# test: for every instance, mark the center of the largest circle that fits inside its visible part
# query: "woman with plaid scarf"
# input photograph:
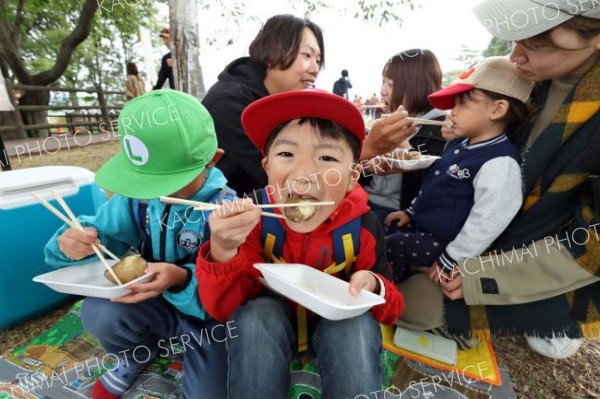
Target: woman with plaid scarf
(543, 274)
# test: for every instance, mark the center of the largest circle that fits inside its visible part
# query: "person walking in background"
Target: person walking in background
(287, 54)
(134, 86)
(341, 86)
(166, 64)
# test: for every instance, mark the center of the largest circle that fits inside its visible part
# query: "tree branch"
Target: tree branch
(16, 32)
(78, 35)
(9, 52)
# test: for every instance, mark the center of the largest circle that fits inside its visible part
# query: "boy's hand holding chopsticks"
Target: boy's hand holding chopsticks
(230, 224)
(71, 220)
(76, 244)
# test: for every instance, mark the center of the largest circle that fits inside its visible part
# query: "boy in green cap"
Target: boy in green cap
(168, 148)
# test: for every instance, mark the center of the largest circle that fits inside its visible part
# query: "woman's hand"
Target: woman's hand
(387, 134)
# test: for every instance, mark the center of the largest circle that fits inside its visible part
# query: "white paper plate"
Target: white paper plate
(87, 280)
(319, 292)
(410, 164)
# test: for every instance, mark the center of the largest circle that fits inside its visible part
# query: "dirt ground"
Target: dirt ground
(533, 376)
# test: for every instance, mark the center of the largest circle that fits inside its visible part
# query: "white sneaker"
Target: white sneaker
(554, 348)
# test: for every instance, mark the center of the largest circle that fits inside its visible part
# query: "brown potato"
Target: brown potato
(127, 269)
(411, 155)
(300, 213)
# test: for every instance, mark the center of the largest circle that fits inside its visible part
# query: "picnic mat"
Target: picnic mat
(64, 361)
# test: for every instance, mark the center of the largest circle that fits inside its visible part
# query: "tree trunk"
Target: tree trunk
(10, 52)
(185, 40)
(35, 117)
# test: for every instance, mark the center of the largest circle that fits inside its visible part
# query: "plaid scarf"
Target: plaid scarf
(559, 202)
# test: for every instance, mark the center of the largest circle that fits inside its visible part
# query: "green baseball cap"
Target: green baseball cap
(167, 138)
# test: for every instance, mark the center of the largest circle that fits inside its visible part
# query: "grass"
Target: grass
(533, 376)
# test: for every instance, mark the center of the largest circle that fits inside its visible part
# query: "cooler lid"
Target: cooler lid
(16, 185)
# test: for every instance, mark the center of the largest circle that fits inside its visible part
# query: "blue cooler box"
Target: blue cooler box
(25, 228)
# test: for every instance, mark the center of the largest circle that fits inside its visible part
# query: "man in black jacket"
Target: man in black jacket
(166, 64)
(287, 54)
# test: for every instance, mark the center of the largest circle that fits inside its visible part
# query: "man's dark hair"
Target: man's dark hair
(345, 73)
(278, 42)
(326, 129)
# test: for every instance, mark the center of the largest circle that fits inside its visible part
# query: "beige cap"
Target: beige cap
(521, 19)
(496, 74)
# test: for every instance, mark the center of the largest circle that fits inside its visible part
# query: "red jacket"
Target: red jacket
(226, 286)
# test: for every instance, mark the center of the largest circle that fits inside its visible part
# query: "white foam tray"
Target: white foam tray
(319, 292)
(411, 164)
(87, 280)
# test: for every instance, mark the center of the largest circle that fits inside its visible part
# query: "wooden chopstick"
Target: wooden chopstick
(62, 217)
(78, 225)
(420, 121)
(267, 214)
(322, 203)
(171, 200)
(203, 206)
(375, 106)
(74, 223)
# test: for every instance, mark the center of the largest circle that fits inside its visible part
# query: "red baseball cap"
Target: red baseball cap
(444, 98)
(262, 116)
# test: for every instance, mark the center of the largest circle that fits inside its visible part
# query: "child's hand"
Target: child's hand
(167, 275)
(436, 274)
(75, 244)
(402, 217)
(229, 227)
(364, 280)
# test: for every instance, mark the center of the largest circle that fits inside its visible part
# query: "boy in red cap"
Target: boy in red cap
(473, 192)
(311, 141)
